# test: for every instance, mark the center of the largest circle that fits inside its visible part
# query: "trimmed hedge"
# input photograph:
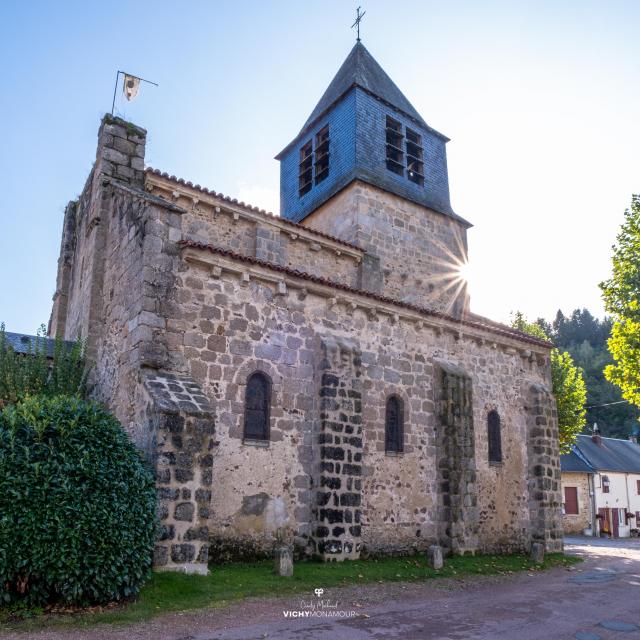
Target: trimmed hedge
(77, 505)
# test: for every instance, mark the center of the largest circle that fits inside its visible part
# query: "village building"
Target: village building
(601, 486)
(26, 344)
(578, 506)
(315, 376)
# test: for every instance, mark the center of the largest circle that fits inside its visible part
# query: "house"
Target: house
(577, 494)
(28, 345)
(601, 478)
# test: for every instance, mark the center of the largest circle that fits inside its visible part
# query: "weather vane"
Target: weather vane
(359, 17)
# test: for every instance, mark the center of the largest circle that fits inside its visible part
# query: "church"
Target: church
(315, 377)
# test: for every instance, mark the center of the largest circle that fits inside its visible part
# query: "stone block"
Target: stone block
(434, 557)
(537, 552)
(160, 556)
(117, 157)
(184, 511)
(283, 561)
(182, 552)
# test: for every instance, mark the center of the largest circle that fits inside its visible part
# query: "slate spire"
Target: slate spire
(360, 69)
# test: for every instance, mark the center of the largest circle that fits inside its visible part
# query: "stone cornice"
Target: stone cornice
(283, 278)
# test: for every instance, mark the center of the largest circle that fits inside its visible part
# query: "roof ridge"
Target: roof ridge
(586, 435)
(249, 207)
(511, 333)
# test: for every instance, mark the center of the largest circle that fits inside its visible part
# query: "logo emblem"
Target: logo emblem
(319, 592)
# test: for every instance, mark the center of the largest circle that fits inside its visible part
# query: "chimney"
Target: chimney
(121, 147)
(596, 435)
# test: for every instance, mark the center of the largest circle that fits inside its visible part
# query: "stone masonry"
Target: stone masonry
(339, 497)
(456, 461)
(184, 426)
(544, 469)
(183, 293)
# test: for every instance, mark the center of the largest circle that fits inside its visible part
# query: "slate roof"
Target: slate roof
(573, 463)
(612, 454)
(360, 69)
(24, 343)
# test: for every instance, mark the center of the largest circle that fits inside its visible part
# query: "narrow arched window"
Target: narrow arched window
(257, 407)
(494, 437)
(394, 425)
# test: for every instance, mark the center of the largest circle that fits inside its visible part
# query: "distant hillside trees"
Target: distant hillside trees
(585, 338)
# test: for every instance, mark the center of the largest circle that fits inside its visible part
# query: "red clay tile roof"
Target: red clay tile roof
(248, 207)
(479, 323)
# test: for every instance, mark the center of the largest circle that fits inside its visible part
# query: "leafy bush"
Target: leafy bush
(23, 375)
(77, 505)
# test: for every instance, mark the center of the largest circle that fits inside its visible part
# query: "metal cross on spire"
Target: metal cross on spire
(359, 17)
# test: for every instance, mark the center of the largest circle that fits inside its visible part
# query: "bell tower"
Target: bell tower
(367, 168)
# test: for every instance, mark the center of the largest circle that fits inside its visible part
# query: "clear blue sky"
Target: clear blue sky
(541, 101)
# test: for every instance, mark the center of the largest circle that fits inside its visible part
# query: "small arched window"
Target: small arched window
(394, 425)
(257, 407)
(494, 437)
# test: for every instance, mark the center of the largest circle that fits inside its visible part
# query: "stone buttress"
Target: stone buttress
(339, 496)
(544, 468)
(456, 461)
(182, 419)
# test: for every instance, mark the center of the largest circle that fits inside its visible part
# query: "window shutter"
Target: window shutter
(394, 431)
(257, 405)
(494, 437)
(571, 500)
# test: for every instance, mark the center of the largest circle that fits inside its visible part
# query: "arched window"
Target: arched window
(494, 437)
(257, 407)
(394, 425)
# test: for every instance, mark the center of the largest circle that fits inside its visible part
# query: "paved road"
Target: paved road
(598, 600)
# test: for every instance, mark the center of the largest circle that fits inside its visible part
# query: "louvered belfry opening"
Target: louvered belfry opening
(415, 165)
(305, 175)
(321, 164)
(395, 153)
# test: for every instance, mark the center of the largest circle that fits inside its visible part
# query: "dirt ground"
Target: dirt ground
(596, 600)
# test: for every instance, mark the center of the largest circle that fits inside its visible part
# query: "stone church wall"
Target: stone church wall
(419, 250)
(247, 320)
(159, 312)
(212, 220)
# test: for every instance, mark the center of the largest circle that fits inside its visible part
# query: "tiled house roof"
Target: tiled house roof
(573, 463)
(610, 454)
(24, 343)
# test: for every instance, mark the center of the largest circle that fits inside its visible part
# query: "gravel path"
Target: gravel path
(597, 600)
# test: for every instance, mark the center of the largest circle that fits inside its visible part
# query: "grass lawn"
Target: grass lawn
(167, 592)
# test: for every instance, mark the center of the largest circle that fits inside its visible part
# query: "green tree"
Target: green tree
(621, 294)
(568, 385)
(33, 374)
(77, 505)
